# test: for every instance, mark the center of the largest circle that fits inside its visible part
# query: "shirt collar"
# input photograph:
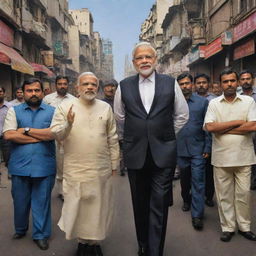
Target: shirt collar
(151, 78)
(222, 98)
(26, 106)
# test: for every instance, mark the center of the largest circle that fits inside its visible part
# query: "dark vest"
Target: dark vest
(155, 129)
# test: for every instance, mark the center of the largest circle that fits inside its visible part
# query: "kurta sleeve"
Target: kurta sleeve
(113, 140)
(60, 126)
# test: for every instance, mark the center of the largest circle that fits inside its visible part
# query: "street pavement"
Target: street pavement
(181, 238)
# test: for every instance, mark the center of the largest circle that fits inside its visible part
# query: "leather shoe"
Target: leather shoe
(18, 236)
(185, 207)
(226, 236)
(142, 251)
(42, 243)
(248, 235)
(197, 223)
(209, 202)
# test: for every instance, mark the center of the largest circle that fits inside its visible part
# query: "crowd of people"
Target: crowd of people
(159, 123)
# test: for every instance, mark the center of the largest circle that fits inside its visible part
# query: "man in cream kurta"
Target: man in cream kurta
(231, 118)
(91, 156)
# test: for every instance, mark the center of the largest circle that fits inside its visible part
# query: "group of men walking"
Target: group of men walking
(162, 123)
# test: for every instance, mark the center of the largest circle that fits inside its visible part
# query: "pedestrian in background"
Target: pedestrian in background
(55, 99)
(194, 147)
(152, 110)
(32, 162)
(91, 156)
(231, 118)
(19, 97)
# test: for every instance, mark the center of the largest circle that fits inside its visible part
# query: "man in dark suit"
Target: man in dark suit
(152, 109)
(194, 146)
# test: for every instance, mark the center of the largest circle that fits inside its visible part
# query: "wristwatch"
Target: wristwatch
(26, 130)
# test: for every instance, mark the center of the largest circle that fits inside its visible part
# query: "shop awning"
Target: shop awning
(11, 57)
(42, 68)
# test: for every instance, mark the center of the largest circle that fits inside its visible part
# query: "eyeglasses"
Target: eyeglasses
(147, 57)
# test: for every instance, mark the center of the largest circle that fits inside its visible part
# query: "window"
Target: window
(243, 5)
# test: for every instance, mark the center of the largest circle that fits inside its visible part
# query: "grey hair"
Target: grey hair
(87, 74)
(141, 44)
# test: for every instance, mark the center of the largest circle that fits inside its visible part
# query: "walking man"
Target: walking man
(152, 109)
(194, 146)
(231, 118)
(19, 97)
(246, 81)
(32, 162)
(91, 155)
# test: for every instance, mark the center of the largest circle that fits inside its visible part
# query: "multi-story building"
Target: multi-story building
(151, 29)
(107, 62)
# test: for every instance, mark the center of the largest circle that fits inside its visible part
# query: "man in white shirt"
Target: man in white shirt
(232, 118)
(19, 97)
(151, 109)
(55, 99)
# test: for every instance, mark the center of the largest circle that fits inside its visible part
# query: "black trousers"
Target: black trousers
(209, 182)
(151, 189)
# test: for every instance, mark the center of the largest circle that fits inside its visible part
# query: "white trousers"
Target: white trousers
(232, 188)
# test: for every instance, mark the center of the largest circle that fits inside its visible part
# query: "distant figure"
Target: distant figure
(216, 88)
(55, 99)
(246, 81)
(4, 144)
(32, 162)
(109, 89)
(19, 97)
(231, 118)
(91, 155)
(152, 110)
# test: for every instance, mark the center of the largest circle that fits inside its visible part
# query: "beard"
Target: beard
(34, 101)
(62, 91)
(230, 91)
(88, 96)
(201, 90)
(247, 86)
(186, 91)
(146, 72)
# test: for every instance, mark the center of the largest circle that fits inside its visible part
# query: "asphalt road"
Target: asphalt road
(181, 238)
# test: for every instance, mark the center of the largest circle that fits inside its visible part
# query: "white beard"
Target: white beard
(88, 96)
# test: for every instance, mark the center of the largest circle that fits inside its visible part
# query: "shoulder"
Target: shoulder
(70, 96)
(246, 98)
(102, 103)
(129, 79)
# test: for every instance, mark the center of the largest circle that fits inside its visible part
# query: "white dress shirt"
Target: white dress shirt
(147, 92)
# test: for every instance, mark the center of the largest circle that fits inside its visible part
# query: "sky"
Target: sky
(117, 20)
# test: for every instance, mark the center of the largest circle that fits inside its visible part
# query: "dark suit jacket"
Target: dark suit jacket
(192, 140)
(155, 129)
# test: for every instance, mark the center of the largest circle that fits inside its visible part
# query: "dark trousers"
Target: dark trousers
(5, 150)
(151, 190)
(192, 181)
(34, 193)
(209, 182)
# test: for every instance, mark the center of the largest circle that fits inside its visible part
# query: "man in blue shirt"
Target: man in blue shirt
(32, 162)
(193, 148)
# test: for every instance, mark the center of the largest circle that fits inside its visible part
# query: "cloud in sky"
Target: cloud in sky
(119, 21)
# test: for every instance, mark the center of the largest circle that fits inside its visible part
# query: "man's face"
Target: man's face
(19, 94)
(2, 94)
(216, 89)
(229, 84)
(109, 91)
(144, 61)
(246, 81)
(201, 85)
(88, 87)
(62, 87)
(33, 94)
(186, 86)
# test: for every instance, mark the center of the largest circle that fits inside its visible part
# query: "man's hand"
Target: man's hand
(71, 116)
(114, 172)
(20, 130)
(206, 155)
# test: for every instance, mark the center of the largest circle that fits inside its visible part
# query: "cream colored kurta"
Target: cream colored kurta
(91, 152)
